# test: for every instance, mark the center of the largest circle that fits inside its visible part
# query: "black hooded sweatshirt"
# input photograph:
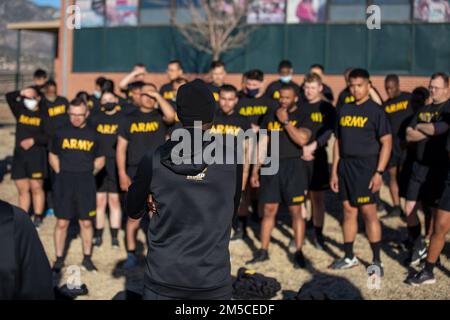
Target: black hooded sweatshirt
(188, 237)
(25, 272)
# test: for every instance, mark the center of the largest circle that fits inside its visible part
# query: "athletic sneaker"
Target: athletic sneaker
(97, 242)
(344, 263)
(419, 252)
(299, 260)
(58, 265)
(259, 256)
(88, 265)
(132, 261)
(115, 243)
(421, 277)
(374, 267)
(37, 221)
(319, 243)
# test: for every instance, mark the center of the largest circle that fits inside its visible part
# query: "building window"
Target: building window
(306, 11)
(267, 11)
(347, 11)
(433, 11)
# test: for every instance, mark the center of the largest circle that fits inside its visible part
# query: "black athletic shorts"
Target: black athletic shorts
(74, 196)
(131, 171)
(444, 202)
(398, 157)
(354, 179)
(321, 172)
(426, 184)
(289, 185)
(107, 179)
(30, 164)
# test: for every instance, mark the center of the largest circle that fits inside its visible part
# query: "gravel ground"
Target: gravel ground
(317, 281)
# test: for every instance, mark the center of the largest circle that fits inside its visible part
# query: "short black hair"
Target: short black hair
(50, 83)
(217, 64)
(105, 92)
(178, 62)
(100, 81)
(78, 101)
(288, 86)
(359, 73)
(255, 74)
(148, 84)
(442, 75)
(135, 85)
(108, 85)
(317, 66)
(284, 64)
(228, 88)
(392, 78)
(39, 74)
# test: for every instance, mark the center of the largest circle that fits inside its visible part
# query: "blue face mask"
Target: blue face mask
(286, 79)
(97, 94)
(252, 93)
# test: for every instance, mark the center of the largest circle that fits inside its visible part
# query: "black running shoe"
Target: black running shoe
(115, 243)
(319, 243)
(239, 234)
(421, 277)
(259, 256)
(97, 242)
(299, 260)
(419, 252)
(58, 265)
(344, 263)
(37, 221)
(88, 265)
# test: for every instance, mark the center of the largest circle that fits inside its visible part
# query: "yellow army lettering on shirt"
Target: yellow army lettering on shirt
(349, 99)
(353, 121)
(107, 128)
(57, 110)
(298, 199)
(225, 129)
(253, 111)
(395, 107)
(317, 117)
(31, 121)
(169, 95)
(77, 144)
(276, 95)
(428, 116)
(363, 199)
(142, 127)
(216, 96)
(276, 126)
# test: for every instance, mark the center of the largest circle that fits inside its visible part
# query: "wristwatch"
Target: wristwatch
(285, 123)
(380, 172)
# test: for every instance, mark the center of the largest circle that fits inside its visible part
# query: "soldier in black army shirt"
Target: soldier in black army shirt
(140, 132)
(285, 71)
(361, 153)
(290, 184)
(76, 156)
(427, 132)
(323, 117)
(106, 123)
(174, 71)
(217, 73)
(254, 104)
(29, 167)
(398, 111)
(228, 122)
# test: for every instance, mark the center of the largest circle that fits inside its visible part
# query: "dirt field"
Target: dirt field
(110, 281)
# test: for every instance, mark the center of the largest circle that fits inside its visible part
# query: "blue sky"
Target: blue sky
(51, 3)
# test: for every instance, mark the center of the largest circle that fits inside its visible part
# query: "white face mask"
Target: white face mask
(30, 104)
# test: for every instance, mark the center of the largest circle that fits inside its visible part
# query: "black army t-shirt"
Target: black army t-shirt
(432, 150)
(359, 129)
(273, 90)
(107, 127)
(322, 116)
(254, 109)
(76, 148)
(398, 111)
(56, 113)
(167, 92)
(144, 132)
(287, 147)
